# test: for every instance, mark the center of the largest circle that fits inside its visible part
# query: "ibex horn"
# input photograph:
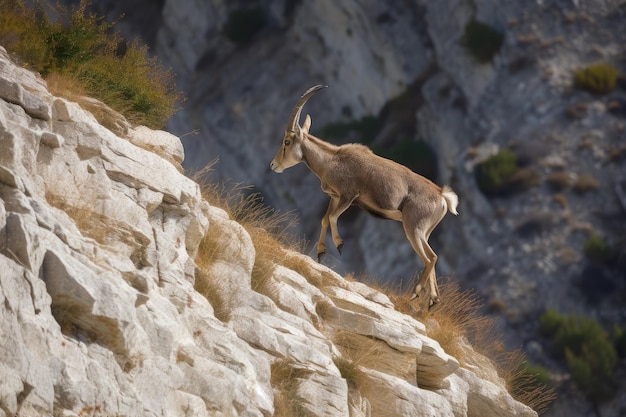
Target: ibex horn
(294, 117)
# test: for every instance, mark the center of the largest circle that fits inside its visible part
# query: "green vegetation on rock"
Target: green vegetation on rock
(79, 54)
(493, 174)
(590, 355)
(482, 41)
(596, 78)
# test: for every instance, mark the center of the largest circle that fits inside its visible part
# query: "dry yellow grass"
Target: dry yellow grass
(90, 223)
(267, 228)
(373, 353)
(216, 295)
(284, 379)
(463, 331)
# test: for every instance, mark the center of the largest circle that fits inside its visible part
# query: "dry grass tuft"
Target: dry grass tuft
(90, 223)
(371, 353)
(350, 371)
(559, 180)
(216, 295)
(73, 90)
(267, 228)
(585, 183)
(458, 316)
(523, 384)
(284, 379)
(463, 331)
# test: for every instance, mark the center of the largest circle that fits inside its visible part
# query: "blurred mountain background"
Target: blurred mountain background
(519, 105)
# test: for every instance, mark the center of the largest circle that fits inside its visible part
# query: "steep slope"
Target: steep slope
(99, 315)
(525, 252)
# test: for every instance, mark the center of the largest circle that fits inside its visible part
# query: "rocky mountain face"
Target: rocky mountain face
(100, 316)
(243, 64)
(404, 63)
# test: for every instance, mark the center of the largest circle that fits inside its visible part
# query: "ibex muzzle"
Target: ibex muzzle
(353, 174)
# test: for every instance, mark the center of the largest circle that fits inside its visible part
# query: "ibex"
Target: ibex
(353, 174)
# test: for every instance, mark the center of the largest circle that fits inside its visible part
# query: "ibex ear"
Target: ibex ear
(306, 125)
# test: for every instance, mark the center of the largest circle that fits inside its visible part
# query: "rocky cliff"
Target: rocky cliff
(100, 316)
(523, 252)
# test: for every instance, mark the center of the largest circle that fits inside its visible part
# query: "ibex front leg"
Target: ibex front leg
(336, 207)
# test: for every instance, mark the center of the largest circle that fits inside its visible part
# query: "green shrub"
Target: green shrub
(365, 129)
(243, 24)
(619, 335)
(82, 49)
(597, 250)
(414, 154)
(481, 40)
(494, 174)
(135, 85)
(550, 322)
(596, 78)
(592, 369)
(590, 356)
(21, 31)
(537, 374)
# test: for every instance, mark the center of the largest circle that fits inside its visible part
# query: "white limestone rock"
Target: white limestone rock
(98, 310)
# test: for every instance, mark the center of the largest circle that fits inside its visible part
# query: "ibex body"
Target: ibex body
(353, 174)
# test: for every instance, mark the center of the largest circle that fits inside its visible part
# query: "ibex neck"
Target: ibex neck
(316, 154)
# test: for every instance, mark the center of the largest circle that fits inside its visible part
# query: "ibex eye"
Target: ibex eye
(287, 142)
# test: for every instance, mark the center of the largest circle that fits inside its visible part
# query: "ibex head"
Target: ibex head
(290, 152)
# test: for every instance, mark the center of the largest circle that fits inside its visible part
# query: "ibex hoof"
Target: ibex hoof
(340, 248)
(320, 255)
(432, 304)
(414, 297)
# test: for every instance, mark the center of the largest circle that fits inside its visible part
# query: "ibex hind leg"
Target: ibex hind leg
(426, 254)
(432, 277)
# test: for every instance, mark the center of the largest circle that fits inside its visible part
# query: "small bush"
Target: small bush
(619, 335)
(596, 78)
(524, 179)
(417, 155)
(590, 356)
(481, 40)
(550, 322)
(597, 250)
(537, 374)
(585, 183)
(559, 180)
(494, 174)
(82, 48)
(363, 130)
(243, 24)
